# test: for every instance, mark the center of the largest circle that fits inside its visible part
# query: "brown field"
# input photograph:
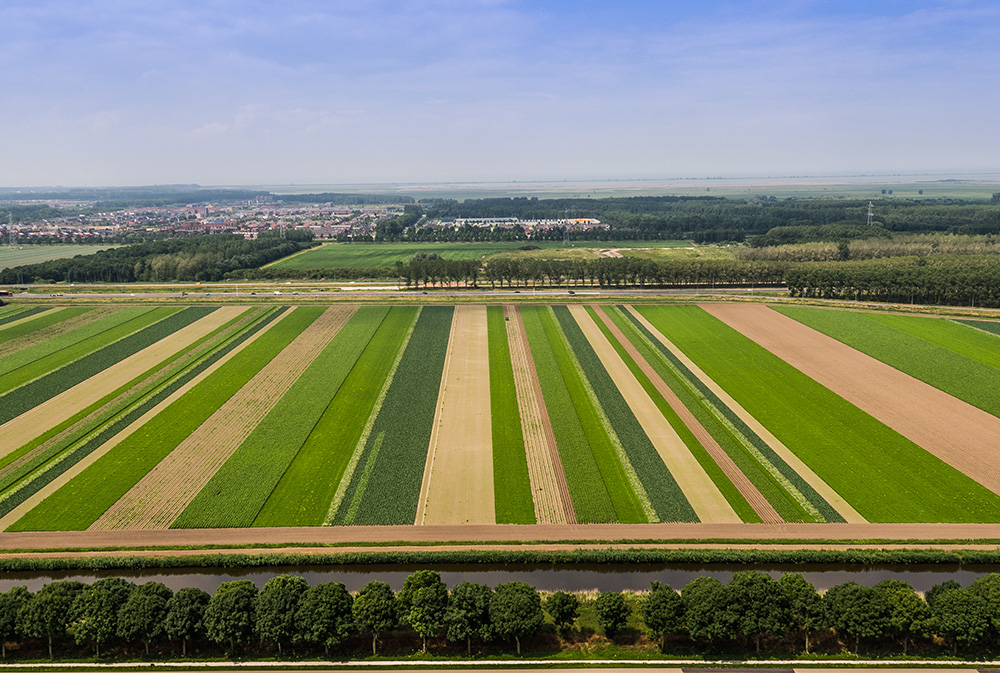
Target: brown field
(550, 492)
(458, 482)
(958, 433)
(159, 497)
(826, 492)
(757, 501)
(705, 498)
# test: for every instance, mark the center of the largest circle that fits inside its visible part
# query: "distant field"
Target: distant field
(380, 255)
(33, 254)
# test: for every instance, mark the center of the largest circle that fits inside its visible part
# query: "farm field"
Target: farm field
(143, 418)
(381, 255)
(33, 254)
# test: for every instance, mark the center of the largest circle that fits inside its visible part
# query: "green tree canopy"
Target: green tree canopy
(468, 613)
(185, 617)
(376, 609)
(564, 608)
(96, 611)
(760, 605)
(276, 608)
(230, 616)
(325, 614)
(143, 614)
(909, 615)
(805, 605)
(856, 611)
(961, 616)
(11, 604)
(612, 612)
(663, 612)
(516, 611)
(707, 610)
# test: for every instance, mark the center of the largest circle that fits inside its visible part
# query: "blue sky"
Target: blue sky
(102, 92)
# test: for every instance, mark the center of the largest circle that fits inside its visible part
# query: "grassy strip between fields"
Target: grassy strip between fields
(792, 498)
(882, 474)
(648, 467)
(51, 346)
(42, 321)
(513, 502)
(715, 473)
(122, 342)
(587, 489)
(237, 492)
(951, 357)
(386, 484)
(81, 501)
(119, 400)
(984, 325)
(11, 314)
(303, 494)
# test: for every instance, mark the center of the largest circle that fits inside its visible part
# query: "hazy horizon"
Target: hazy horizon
(114, 92)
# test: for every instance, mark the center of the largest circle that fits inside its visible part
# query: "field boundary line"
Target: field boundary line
(834, 499)
(435, 427)
(159, 497)
(747, 489)
(58, 328)
(345, 479)
(463, 440)
(697, 487)
(29, 318)
(60, 481)
(547, 490)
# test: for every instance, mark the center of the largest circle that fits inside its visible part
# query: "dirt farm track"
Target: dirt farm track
(469, 537)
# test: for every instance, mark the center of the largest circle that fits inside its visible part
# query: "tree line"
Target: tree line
(190, 258)
(752, 613)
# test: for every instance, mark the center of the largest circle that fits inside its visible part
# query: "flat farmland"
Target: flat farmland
(33, 254)
(144, 418)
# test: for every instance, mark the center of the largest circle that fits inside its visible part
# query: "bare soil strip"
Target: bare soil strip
(159, 497)
(834, 499)
(31, 317)
(539, 442)
(706, 499)
(533, 390)
(118, 401)
(958, 433)
(55, 329)
(94, 456)
(754, 497)
(19, 431)
(526, 536)
(458, 487)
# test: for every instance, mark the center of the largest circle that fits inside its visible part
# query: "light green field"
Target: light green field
(33, 254)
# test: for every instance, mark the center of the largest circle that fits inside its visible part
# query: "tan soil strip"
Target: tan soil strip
(21, 321)
(459, 480)
(539, 442)
(754, 497)
(703, 495)
(55, 329)
(958, 433)
(553, 462)
(134, 391)
(94, 456)
(471, 533)
(160, 496)
(833, 498)
(18, 431)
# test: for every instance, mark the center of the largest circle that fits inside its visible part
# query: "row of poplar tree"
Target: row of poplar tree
(752, 610)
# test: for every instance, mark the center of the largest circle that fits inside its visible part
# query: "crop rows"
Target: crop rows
(41, 322)
(12, 314)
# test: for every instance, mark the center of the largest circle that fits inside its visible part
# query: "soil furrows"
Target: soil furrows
(958, 433)
(548, 481)
(115, 405)
(159, 497)
(703, 495)
(91, 458)
(760, 505)
(458, 486)
(55, 329)
(20, 430)
(834, 499)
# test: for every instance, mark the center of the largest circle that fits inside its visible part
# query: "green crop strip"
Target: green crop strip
(237, 492)
(587, 489)
(303, 494)
(882, 474)
(647, 468)
(960, 361)
(792, 498)
(511, 486)
(152, 327)
(12, 314)
(983, 325)
(28, 479)
(715, 473)
(53, 317)
(81, 501)
(403, 428)
(49, 347)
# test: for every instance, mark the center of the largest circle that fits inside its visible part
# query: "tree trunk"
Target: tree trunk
(468, 645)
(857, 645)
(807, 642)
(326, 649)
(374, 640)
(146, 643)
(50, 646)
(518, 641)
(279, 648)
(424, 641)
(905, 642)
(757, 643)
(98, 646)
